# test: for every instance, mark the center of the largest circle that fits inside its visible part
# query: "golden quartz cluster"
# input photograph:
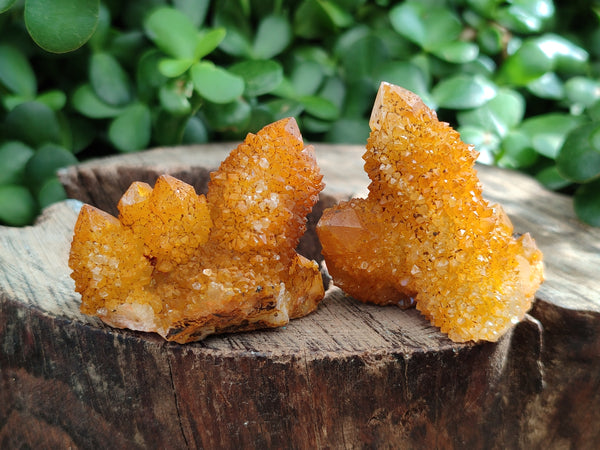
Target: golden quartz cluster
(425, 234)
(185, 266)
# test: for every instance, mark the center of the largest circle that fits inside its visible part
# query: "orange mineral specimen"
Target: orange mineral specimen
(425, 234)
(185, 266)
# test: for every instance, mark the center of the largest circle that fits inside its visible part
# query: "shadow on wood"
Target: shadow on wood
(349, 375)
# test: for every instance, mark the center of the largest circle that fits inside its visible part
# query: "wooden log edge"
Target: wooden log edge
(350, 375)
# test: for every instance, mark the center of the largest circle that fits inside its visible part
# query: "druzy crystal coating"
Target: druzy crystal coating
(425, 234)
(185, 266)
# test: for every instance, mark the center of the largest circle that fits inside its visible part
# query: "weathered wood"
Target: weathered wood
(347, 376)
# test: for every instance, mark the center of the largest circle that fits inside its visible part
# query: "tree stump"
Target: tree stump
(349, 375)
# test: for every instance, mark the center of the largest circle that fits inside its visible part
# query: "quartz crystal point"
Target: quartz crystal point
(425, 234)
(185, 266)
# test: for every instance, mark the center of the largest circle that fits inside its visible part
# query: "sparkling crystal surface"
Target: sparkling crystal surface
(425, 233)
(186, 266)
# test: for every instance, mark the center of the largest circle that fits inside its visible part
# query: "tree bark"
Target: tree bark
(349, 375)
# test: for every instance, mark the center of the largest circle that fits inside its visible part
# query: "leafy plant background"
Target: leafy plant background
(84, 78)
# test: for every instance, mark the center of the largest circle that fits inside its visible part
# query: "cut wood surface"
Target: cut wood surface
(349, 375)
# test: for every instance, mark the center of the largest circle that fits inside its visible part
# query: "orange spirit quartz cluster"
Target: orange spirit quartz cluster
(185, 266)
(425, 233)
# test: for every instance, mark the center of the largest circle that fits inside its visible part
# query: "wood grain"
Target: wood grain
(347, 376)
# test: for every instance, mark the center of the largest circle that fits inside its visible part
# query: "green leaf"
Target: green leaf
(173, 68)
(582, 91)
(549, 131)
(34, 123)
(45, 162)
(525, 16)
(483, 65)
(126, 47)
(348, 131)
(51, 191)
(61, 26)
(565, 55)
(237, 40)
(54, 99)
(17, 205)
(306, 77)
(260, 117)
(490, 39)
(13, 158)
(593, 111)
(173, 32)
(363, 55)
(168, 128)
(208, 42)
(83, 133)
(10, 102)
(517, 152)
(195, 10)
(272, 37)
(425, 26)
(285, 89)
(130, 131)
(148, 76)
(260, 77)
(463, 92)
(457, 52)
(102, 32)
(548, 86)
(313, 125)
(134, 13)
(485, 142)
(551, 179)
(311, 21)
(319, 107)
(16, 73)
(109, 81)
(231, 117)
(359, 99)
(86, 102)
(587, 203)
(284, 107)
(195, 132)
(407, 75)
(579, 156)
(499, 115)
(216, 84)
(334, 90)
(5, 5)
(349, 38)
(175, 98)
(529, 62)
(337, 14)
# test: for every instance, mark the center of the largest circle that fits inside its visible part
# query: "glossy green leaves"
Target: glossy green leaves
(16, 73)
(172, 32)
(185, 46)
(587, 203)
(260, 77)
(273, 35)
(436, 30)
(463, 92)
(519, 79)
(17, 205)
(13, 158)
(130, 130)
(61, 25)
(216, 84)
(108, 79)
(579, 157)
(540, 56)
